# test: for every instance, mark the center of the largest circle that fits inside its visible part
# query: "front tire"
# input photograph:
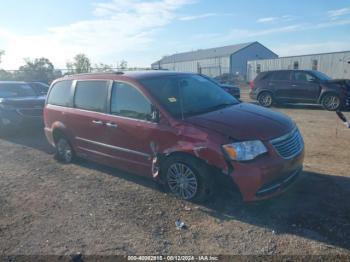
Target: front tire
(265, 99)
(331, 102)
(187, 178)
(64, 150)
(3, 130)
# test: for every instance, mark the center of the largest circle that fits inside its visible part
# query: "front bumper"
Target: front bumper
(266, 176)
(347, 102)
(13, 119)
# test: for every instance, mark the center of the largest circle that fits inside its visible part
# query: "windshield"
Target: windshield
(188, 95)
(321, 76)
(16, 90)
(40, 88)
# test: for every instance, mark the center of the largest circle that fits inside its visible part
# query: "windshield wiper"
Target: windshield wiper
(207, 110)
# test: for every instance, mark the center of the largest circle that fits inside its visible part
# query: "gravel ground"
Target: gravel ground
(52, 209)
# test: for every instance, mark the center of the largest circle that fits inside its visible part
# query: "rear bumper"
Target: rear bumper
(266, 177)
(253, 95)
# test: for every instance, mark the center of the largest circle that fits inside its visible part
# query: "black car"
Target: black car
(39, 87)
(229, 88)
(300, 86)
(20, 104)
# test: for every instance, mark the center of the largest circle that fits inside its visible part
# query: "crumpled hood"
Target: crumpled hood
(245, 122)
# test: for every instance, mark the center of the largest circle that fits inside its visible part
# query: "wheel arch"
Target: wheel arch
(265, 91)
(220, 176)
(327, 92)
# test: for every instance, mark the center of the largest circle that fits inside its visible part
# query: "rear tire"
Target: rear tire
(187, 178)
(265, 99)
(331, 102)
(64, 151)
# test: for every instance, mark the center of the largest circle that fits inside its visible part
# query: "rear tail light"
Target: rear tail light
(251, 84)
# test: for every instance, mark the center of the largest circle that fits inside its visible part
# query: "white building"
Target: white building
(216, 61)
(336, 65)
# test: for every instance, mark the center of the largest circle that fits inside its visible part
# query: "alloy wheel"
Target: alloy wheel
(265, 100)
(182, 181)
(331, 102)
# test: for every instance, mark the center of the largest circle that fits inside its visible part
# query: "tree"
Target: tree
(101, 67)
(123, 64)
(5, 75)
(39, 69)
(2, 52)
(81, 64)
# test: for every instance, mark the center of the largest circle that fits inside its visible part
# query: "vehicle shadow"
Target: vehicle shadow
(316, 207)
(29, 136)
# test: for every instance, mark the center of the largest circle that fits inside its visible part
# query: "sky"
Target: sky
(143, 31)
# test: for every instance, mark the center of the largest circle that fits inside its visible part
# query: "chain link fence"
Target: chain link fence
(47, 76)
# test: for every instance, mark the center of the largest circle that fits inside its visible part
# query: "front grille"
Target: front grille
(31, 112)
(290, 145)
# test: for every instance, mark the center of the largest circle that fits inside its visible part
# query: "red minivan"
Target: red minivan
(178, 128)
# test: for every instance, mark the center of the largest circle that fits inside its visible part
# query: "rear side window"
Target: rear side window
(281, 76)
(264, 76)
(91, 95)
(127, 101)
(60, 94)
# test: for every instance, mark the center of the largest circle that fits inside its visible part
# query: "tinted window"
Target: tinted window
(127, 101)
(186, 95)
(15, 90)
(40, 88)
(281, 76)
(91, 95)
(264, 76)
(303, 77)
(60, 94)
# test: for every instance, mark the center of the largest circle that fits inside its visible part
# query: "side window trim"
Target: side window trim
(138, 90)
(74, 89)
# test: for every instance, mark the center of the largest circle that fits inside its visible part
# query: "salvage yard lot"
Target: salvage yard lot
(50, 208)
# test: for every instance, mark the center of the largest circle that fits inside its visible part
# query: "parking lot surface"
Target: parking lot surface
(52, 209)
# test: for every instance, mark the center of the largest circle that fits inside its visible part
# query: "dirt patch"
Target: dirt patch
(50, 208)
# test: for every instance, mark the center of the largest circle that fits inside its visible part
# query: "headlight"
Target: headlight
(244, 151)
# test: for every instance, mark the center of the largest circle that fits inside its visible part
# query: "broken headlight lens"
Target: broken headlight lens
(245, 151)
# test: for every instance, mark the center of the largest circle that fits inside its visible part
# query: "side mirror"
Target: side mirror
(155, 115)
(313, 80)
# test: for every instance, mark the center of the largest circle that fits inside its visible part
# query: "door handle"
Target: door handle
(113, 125)
(294, 85)
(97, 122)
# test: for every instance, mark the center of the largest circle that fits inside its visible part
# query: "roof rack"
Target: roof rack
(97, 73)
